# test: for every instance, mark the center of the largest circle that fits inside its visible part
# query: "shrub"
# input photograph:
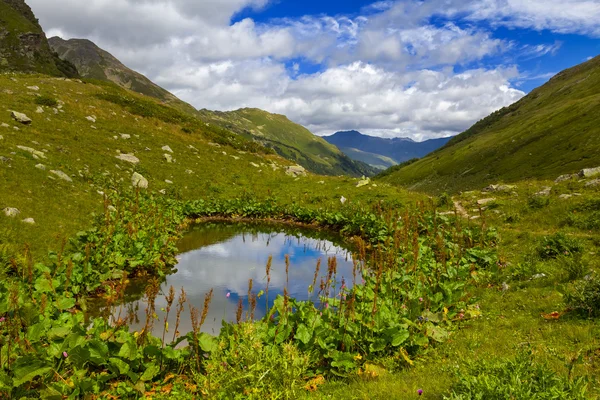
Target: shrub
(585, 297)
(47, 101)
(518, 379)
(538, 202)
(559, 245)
(444, 200)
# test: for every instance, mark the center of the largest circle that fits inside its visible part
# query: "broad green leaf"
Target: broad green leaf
(98, 351)
(25, 369)
(128, 350)
(121, 365)
(400, 337)
(150, 372)
(303, 334)
(207, 342)
(65, 303)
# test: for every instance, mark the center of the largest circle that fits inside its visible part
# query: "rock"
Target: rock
(20, 117)
(137, 180)
(91, 118)
(29, 221)
(168, 157)
(11, 212)
(39, 110)
(62, 175)
(34, 88)
(474, 217)
(34, 152)
(482, 202)
(162, 191)
(295, 171)
(214, 144)
(505, 287)
(167, 148)
(363, 182)
(595, 182)
(235, 157)
(125, 136)
(5, 159)
(564, 178)
(589, 172)
(111, 208)
(343, 200)
(168, 181)
(565, 196)
(129, 158)
(499, 188)
(41, 166)
(5, 125)
(189, 172)
(538, 276)
(544, 192)
(321, 182)
(255, 165)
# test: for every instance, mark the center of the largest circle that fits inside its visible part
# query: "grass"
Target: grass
(552, 131)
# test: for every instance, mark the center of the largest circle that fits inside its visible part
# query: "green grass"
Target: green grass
(552, 131)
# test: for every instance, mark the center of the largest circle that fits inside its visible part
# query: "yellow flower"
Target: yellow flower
(358, 357)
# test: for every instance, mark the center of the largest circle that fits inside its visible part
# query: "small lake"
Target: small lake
(225, 256)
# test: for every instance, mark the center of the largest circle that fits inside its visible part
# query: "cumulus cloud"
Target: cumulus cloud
(399, 68)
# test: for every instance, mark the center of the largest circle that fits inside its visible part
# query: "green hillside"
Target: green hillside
(288, 139)
(376, 160)
(554, 130)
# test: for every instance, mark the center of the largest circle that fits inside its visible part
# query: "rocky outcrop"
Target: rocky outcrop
(589, 172)
(138, 181)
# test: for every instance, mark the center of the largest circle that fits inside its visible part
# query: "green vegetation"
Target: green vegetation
(552, 131)
(376, 160)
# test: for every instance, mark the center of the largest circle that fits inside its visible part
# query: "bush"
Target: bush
(559, 245)
(46, 101)
(518, 379)
(538, 202)
(585, 297)
(444, 200)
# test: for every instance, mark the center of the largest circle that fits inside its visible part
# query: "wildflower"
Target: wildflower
(420, 392)
(461, 316)
(358, 357)
(2, 319)
(228, 294)
(343, 200)
(326, 306)
(421, 299)
(65, 354)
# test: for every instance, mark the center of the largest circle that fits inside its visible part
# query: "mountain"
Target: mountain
(552, 131)
(92, 62)
(23, 43)
(289, 140)
(380, 152)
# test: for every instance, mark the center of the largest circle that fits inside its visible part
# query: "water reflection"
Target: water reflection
(224, 257)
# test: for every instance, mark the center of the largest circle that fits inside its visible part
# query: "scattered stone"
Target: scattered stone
(91, 118)
(34, 152)
(5, 125)
(41, 166)
(125, 136)
(544, 192)
(589, 172)
(235, 157)
(595, 182)
(214, 144)
(167, 148)
(11, 212)
(255, 165)
(538, 276)
(129, 158)
(1, 137)
(112, 208)
(445, 213)
(16, 128)
(363, 182)
(162, 191)
(62, 175)
(34, 88)
(482, 202)
(168, 181)
(147, 149)
(5, 159)
(39, 110)
(55, 110)
(505, 287)
(295, 171)
(499, 188)
(20, 117)
(474, 217)
(29, 221)
(343, 200)
(189, 172)
(321, 182)
(168, 157)
(137, 180)
(565, 196)
(564, 178)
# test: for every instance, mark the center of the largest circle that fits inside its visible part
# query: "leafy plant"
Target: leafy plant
(559, 245)
(45, 100)
(585, 296)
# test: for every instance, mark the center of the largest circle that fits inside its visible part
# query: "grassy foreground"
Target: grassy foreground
(454, 306)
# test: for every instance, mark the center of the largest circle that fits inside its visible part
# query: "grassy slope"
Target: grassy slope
(554, 130)
(512, 319)
(87, 151)
(13, 24)
(375, 160)
(289, 139)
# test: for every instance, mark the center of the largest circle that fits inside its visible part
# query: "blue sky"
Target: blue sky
(391, 68)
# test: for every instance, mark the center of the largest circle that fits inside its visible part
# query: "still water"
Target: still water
(225, 256)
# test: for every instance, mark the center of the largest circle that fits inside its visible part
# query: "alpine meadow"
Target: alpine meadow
(195, 230)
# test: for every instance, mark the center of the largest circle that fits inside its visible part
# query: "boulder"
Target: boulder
(589, 172)
(593, 183)
(564, 178)
(29, 221)
(167, 148)
(62, 175)
(39, 110)
(544, 192)
(91, 118)
(125, 136)
(129, 158)
(34, 152)
(168, 157)
(20, 117)
(137, 180)
(363, 182)
(34, 88)
(11, 212)
(41, 166)
(482, 202)
(499, 188)
(295, 171)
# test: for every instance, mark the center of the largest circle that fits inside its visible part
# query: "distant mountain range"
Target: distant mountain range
(379, 152)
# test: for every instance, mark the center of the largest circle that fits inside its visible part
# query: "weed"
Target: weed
(585, 296)
(559, 245)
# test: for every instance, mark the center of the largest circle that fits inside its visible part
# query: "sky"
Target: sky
(391, 68)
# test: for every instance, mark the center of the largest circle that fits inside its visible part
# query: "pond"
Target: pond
(225, 256)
